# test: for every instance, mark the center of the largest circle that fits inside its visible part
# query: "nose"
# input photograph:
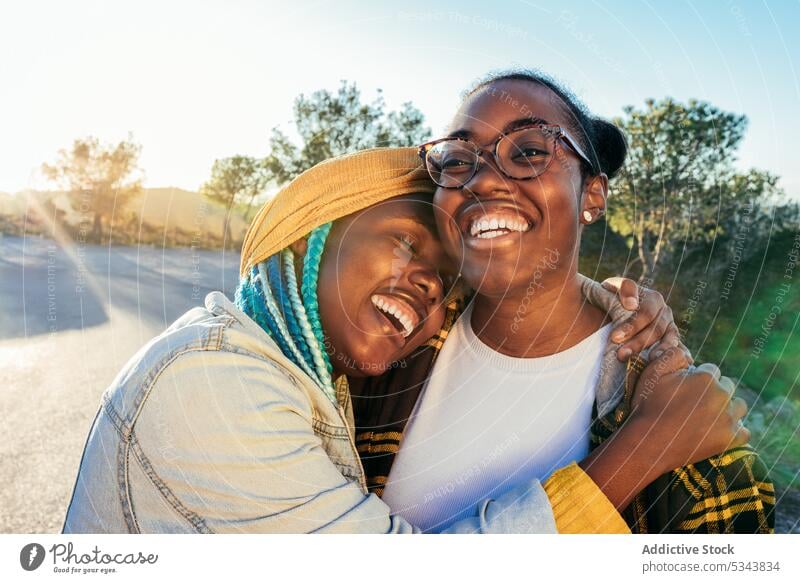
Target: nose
(426, 280)
(488, 180)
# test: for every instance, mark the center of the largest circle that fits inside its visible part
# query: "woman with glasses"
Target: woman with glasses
(526, 383)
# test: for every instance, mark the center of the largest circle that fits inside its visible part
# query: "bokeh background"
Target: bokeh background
(138, 138)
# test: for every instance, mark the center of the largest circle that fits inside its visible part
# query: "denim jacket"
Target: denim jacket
(209, 428)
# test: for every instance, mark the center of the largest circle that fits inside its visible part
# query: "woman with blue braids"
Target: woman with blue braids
(238, 417)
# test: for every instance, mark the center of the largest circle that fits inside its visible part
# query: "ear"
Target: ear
(300, 247)
(593, 202)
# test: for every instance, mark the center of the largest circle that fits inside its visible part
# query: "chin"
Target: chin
(488, 277)
(373, 368)
(372, 363)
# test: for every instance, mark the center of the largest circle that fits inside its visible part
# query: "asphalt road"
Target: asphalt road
(70, 317)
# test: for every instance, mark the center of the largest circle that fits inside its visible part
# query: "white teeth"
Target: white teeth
(487, 228)
(399, 310)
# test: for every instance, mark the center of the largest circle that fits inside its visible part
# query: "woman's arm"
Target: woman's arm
(642, 319)
(654, 440)
(580, 506)
(678, 416)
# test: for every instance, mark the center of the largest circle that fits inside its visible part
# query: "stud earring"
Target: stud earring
(587, 216)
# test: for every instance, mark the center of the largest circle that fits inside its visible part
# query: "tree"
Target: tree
(98, 178)
(331, 124)
(234, 180)
(679, 182)
(328, 124)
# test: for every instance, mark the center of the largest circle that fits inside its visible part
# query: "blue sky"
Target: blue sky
(195, 81)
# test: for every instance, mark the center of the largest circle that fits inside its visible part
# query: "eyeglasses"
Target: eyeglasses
(521, 154)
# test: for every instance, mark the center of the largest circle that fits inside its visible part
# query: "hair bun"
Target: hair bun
(610, 146)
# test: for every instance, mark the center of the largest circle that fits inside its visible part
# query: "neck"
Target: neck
(538, 322)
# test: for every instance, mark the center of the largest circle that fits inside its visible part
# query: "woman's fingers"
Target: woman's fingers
(632, 326)
(710, 368)
(727, 383)
(651, 308)
(652, 326)
(672, 360)
(643, 338)
(652, 305)
(671, 337)
(742, 435)
(688, 352)
(668, 363)
(658, 349)
(626, 289)
(737, 409)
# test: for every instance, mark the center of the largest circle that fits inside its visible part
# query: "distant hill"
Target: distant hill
(179, 213)
(185, 210)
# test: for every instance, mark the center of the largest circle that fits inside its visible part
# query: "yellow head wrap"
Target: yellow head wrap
(331, 190)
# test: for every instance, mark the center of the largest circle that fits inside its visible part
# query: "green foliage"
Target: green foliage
(331, 124)
(328, 124)
(98, 178)
(720, 243)
(679, 186)
(779, 447)
(749, 318)
(235, 180)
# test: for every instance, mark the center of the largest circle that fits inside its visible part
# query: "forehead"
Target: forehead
(416, 208)
(488, 111)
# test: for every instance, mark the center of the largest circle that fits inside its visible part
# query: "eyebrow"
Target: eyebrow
(428, 225)
(422, 220)
(509, 127)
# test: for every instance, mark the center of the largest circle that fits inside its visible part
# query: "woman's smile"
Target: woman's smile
(493, 224)
(400, 312)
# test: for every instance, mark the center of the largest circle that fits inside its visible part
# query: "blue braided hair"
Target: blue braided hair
(316, 242)
(270, 295)
(282, 297)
